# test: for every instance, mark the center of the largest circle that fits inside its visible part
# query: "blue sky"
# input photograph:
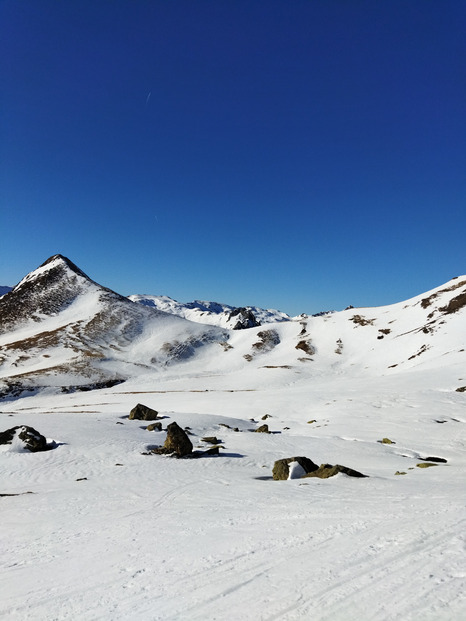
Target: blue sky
(301, 155)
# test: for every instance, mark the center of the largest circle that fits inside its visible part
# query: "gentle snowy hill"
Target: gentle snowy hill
(213, 313)
(100, 526)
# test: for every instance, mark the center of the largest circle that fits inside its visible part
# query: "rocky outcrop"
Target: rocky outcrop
(24, 437)
(244, 317)
(143, 412)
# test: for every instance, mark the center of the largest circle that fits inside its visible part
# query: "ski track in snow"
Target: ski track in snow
(165, 539)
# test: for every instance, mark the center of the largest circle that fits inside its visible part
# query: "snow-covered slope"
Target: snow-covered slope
(60, 328)
(213, 313)
(98, 527)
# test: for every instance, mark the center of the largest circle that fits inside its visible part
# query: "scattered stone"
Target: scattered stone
(309, 422)
(154, 427)
(82, 479)
(211, 440)
(425, 464)
(439, 460)
(398, 472)
(386, 441)
(281, 469)
(228, 426)
(213, 450)
(143, 412)
(266, 416)
(262, 429)
(325, 471)
(118, 464)
(461, 389)
(177, 442)
(28, 437)
(119, 422)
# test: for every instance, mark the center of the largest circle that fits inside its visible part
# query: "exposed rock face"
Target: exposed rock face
(28, 437)
(143, 412)
(281, 470)
(245, 319)
(325, 471)
(177, 441)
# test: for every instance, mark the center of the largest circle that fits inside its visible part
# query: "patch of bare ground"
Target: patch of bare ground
(423, 349)
(268, 340)
(455, 304)
(306, 347)
(359, 320)
(383, 332)
(426, 302)
(39, 341)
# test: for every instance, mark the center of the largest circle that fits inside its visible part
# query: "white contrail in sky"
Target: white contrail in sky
(148, 97)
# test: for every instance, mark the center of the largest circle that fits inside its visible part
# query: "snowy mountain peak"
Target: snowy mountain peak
(55, 268)
(46, 291)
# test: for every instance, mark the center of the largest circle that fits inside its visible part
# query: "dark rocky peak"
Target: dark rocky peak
(245, 318)
(47, 290)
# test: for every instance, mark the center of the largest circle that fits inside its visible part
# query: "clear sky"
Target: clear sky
(295, 154)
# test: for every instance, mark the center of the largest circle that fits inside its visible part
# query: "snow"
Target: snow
(110, 533)
(210, 313)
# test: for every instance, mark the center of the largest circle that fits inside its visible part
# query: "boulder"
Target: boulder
(26, 437)
(177, 441)
(142, 412)
(281, 469)
(262, 429)
(154, 427)
(211, 439)
(325, 471)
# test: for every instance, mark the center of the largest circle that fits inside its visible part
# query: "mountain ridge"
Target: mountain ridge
(60, 329)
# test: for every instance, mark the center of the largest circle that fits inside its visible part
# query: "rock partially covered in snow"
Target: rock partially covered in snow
(143, 412)
(23, 437)
(242, 318)
(325, 471)
(281, 468)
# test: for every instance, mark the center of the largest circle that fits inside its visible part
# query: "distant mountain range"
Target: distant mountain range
(213, 313)
(61, 330)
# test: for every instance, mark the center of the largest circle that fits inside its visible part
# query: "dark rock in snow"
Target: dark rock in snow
(325, 471)
(154, 427)
(262, 429)
(210, 439)
(281, 470)
(31, 439)
(142, 412)
(177, 442)
(245, 319)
